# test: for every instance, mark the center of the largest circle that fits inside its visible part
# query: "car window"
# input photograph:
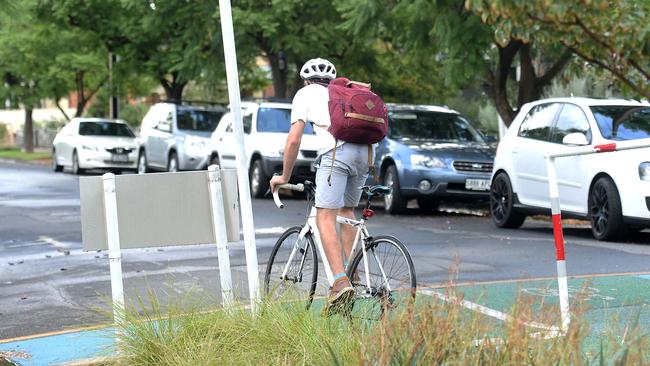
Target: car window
(105, 128)
(623, 122)
(431, 125)
(247, 120)
(571, 119)
(277, 120)
(538, 122)
(198, 120)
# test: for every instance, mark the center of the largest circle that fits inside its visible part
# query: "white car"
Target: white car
(95, 143)
(266, 126)
(610, 189)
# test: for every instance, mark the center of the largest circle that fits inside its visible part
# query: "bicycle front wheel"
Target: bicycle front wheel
(292, 270)
(387, 281)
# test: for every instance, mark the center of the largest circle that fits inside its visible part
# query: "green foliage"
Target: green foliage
(613, 35)
(3, 131)
(133, 113)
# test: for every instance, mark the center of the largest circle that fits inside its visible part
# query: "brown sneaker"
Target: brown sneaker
(341, 296)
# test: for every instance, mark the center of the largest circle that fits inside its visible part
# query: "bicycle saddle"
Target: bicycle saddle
(378, 189)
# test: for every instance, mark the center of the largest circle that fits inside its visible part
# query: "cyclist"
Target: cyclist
(341, 194)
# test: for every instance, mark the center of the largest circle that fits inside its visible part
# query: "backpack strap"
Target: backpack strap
(329, 177)
(371, 166)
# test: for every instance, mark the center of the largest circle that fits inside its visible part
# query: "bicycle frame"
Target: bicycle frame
(361, 236)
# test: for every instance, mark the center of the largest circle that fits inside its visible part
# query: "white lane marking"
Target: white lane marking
(271, 230)
(487, 311)
(61, 247)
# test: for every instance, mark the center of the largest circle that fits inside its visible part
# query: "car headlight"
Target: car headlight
(427, 161)
(88, 147)
(644, 171)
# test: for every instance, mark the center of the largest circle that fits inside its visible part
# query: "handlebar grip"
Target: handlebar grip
(293, 187)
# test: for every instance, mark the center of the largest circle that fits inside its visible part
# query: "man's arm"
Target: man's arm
(291, 148)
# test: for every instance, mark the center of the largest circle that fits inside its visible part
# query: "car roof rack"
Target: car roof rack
(195, 102)
(269, 100)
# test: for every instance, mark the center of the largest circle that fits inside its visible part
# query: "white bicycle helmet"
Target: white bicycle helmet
(318, 68)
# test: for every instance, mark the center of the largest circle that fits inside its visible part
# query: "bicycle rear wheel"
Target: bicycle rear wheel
(391, 275)
(297, 259)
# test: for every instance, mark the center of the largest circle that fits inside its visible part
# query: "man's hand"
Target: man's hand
(277, 180)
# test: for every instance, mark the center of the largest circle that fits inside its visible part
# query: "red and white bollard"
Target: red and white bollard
(562, 284)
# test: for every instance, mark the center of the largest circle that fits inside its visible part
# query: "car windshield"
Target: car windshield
(277, 120)
(623, 122)
(105, 128)
(198, 120)
(431, 126)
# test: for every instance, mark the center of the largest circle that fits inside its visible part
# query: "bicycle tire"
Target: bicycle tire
(278, 290)
(402, 283)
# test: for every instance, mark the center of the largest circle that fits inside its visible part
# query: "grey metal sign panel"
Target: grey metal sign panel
(159, 209)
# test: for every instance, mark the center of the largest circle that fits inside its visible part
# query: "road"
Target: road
(47, 283)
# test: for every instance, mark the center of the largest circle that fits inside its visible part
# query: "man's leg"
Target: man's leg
(347, 232)
(326, 222)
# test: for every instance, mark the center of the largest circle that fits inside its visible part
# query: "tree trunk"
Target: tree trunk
(173, 88)
(279, 76)
(528, 88)
(500, 81)
(28, 132)
(81, 95)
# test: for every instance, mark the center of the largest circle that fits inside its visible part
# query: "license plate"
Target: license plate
(477, 184)
(119, 158)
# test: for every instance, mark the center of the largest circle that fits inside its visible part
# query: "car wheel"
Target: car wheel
(55, 164)
(605, 211)
(75, 164)
(172, 164)
(427, 203)
(502, 207)
(142, 163)
(393, 202)
(258, 180)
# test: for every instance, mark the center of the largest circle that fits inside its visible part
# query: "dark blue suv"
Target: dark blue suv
(432, 153)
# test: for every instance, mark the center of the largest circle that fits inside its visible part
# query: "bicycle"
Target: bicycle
(381, 270)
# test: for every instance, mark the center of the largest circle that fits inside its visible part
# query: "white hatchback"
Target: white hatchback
(611, 189)
(95, 143)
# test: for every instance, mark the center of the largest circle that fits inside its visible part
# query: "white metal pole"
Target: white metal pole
(114, 251)
(563, 288)
(220, 234)
(242, 169)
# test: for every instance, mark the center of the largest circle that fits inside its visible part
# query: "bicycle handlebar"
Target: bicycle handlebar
(293, 187)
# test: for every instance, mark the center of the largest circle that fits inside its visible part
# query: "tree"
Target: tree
(464, 44)
(27, 48)
(613, 35)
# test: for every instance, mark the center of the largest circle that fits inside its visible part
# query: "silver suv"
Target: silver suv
(176, 137)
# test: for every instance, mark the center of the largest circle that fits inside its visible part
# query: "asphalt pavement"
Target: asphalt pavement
(48, 284)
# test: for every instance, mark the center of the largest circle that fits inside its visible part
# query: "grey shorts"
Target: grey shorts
(349, 174)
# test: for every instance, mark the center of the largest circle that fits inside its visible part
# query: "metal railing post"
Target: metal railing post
(114, 251)
(220, 234)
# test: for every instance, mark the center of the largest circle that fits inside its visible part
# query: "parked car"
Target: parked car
(94, 143)
(266, 126)
(175, 137)
(432, 153)
(612, 190)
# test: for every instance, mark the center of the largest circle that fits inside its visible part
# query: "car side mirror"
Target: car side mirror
(164, 127)
(490, 139)
(576, 139)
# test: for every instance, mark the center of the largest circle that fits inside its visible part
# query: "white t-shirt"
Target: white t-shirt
(310, 105)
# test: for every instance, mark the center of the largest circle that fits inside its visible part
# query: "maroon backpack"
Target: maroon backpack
(357, 114)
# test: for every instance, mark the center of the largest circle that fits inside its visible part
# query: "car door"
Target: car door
(530, 150)
(159, 136)
(571, 171)
(227, 143)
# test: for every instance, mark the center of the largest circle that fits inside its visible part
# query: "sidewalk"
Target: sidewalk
(80, 347)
